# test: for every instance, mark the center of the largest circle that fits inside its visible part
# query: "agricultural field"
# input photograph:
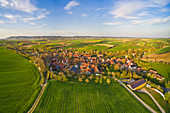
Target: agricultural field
(160, 100)
(18, 82)
(163, 69)
(147, 100)
(71, 97)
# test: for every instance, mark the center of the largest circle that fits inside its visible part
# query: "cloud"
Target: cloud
(70, 12)
(12, 18)
(16, 18)
(20, 5)
(71, 4)
(98, 9)
(84, 15)
(151, 21)
(1, 22)
(128, 9)
(112, 23)
(6, 32)
(143, 14)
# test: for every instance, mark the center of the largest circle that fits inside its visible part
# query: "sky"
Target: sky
(118, 18)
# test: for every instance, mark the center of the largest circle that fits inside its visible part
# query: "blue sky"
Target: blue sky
(136, 18)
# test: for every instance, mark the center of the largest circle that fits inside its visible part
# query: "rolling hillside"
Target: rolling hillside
(18, 82)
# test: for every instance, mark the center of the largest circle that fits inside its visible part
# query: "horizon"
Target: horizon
(107, 18)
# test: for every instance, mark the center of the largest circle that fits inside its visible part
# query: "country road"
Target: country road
(148, 107)
(37, 99)
(145, 91)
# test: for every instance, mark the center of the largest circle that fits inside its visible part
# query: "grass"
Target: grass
(97, 47)
(147, 100)
(124, 46)
(18, 82)
(163, 69)
(73, 97)
(164, 50)
(160, 100)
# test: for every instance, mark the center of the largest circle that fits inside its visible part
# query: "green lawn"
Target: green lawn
(74, 97)
(18, 82)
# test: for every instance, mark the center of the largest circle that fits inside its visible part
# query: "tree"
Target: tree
(100, 80)
(87, 80)
(135, 75)
(129, 75)
(91, 77)
(80, 79)
(113, 74)
(64, 78)
(48, 74)
(151, 76)
(97, 80)
(116, 67)
(108, 81)
(118, 74)
(104, 77)
(124, 74)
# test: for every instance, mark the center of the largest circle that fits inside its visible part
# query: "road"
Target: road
(145, 91)
(37, 99)
(148, 107)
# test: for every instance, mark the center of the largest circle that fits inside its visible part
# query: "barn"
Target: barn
(137, 84)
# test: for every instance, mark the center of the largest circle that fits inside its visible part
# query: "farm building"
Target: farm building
(137, 84)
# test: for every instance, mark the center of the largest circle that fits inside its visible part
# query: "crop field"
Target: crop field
(74, 97)
(164, 50)
(160, 100)
(163, 69)
(18, 82)
(147, 100)
(95, 47)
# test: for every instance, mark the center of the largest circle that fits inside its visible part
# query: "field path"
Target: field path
(145, 91)
(148, 107)
(37, 99)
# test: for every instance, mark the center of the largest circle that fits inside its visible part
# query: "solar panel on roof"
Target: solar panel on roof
(136, 84)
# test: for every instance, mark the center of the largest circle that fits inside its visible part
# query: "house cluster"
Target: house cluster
(68, 61)
(156, 75)
(87, 64)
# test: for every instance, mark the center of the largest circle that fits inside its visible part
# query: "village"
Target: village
(75, 64)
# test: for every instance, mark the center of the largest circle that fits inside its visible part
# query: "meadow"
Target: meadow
(18, 82)
(74, 97)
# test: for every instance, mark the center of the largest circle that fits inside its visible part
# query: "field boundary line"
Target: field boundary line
(37, 99)
(140, 100)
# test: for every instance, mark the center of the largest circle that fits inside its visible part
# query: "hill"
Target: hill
(18, 82)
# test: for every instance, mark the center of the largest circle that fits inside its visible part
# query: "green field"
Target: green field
(160, 100)
(74, 97)
(163, 69)
(18, 82)
(164, 50)
(147, 100)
